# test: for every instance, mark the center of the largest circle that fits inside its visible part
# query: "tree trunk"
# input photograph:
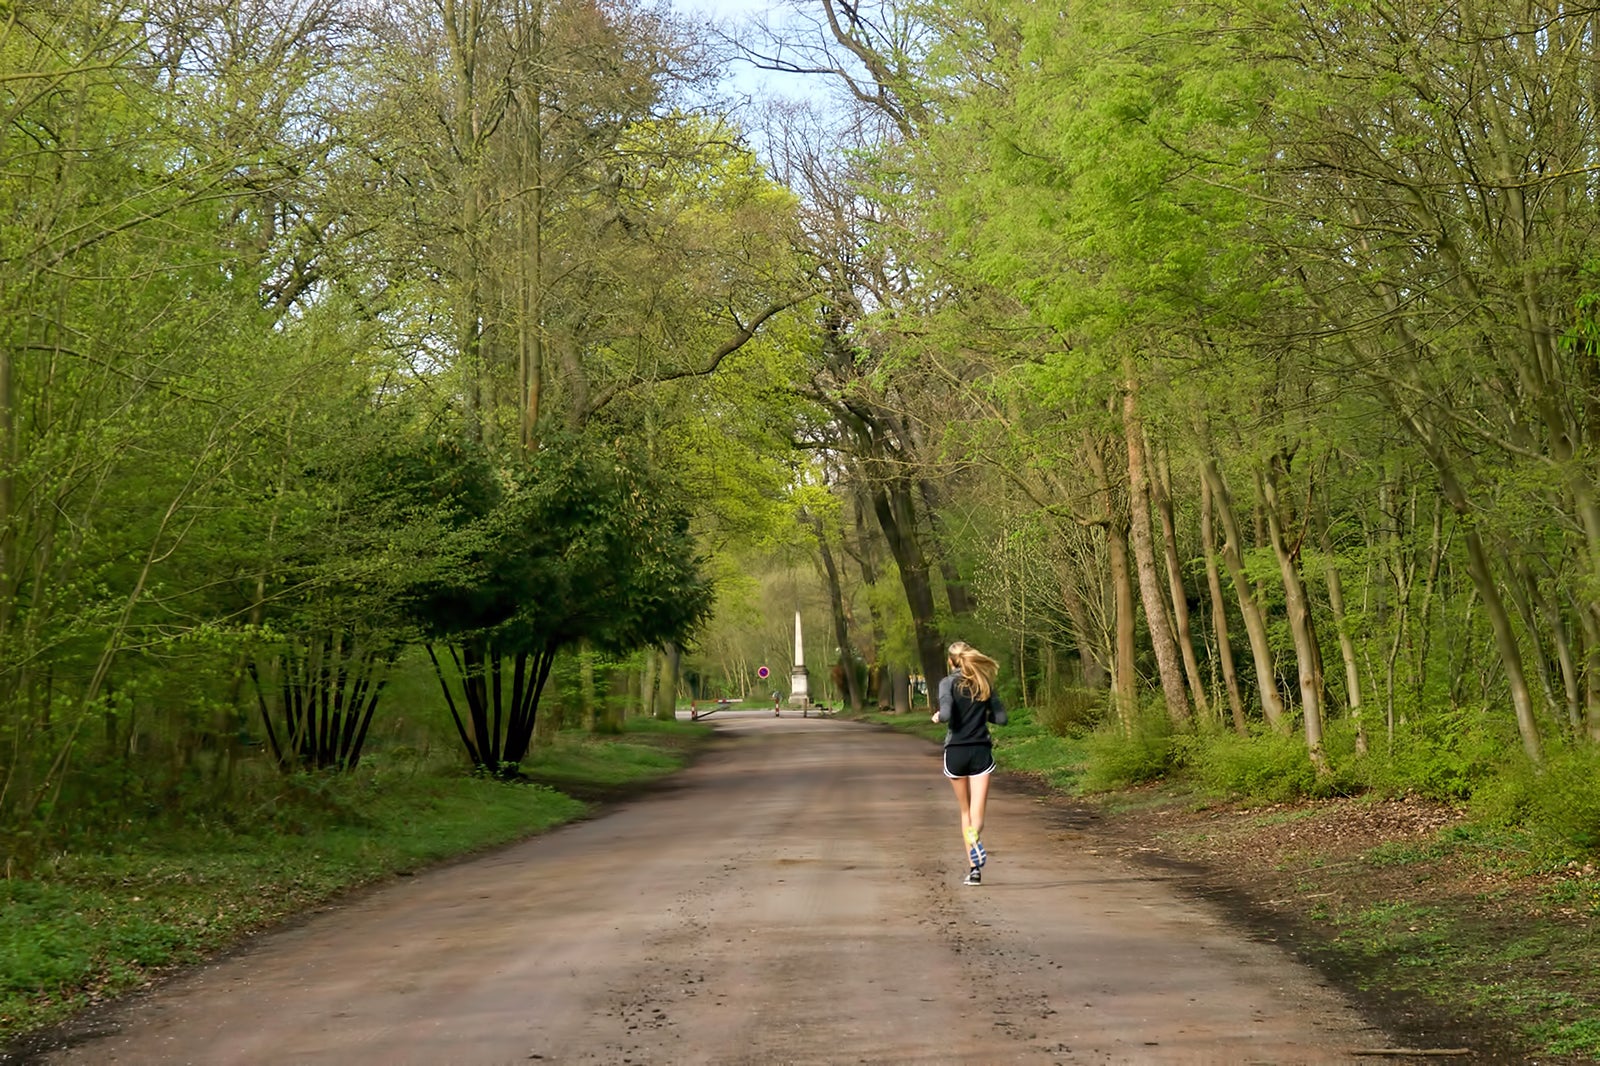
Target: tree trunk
(1420, 635)
(1168, 663)
(1505, 638)
(586, 688)
(532, 325)
(1093, 670)
(883, 685)
(1347, 645)
(1161, 489)
(1219, 611)
(896, 517)
(1126, 671)
(463, 23)
(878, 681)
(647, 684)
(8, 489)
(956, 591)
(632, 696)
(1591, 694)
(1298, 609)
(900, 688)
(667, 684)
(1255, 625)
(1521, 588)
(841, 625)
(1125, 681)
(1506, 643)
(1550, 607)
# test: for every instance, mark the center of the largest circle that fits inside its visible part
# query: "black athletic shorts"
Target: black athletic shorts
(968, 760)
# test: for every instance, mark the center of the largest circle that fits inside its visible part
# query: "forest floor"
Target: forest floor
(1443, 931)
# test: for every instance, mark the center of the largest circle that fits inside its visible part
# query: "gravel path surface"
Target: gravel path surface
(795, 897)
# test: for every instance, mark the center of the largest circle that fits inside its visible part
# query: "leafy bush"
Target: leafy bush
(1444, 754)
(1558, 802)
(1266, 765)
(1073, 712)
(1119, 757)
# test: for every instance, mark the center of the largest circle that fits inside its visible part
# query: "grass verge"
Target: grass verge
(93, 923)
(1023, 745)
(1463, 931)
(1405, 901)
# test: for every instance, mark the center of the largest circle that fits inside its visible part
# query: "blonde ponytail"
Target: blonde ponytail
(978, 671)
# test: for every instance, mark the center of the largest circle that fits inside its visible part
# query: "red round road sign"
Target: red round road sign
(762, 673)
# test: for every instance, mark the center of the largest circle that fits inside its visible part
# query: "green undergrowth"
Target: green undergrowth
(1026, 745)
(1495, 920)
(1522, 957)
(90, 923)
(649, 749)
(1496, 926)
(1023, 745)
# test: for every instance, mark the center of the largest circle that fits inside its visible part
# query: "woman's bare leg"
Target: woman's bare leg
(972, 811)
(964, 800)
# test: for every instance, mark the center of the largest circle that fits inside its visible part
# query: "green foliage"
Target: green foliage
(1558, 802)
(1028, 745)
(1444, 755)
(1072, 712)
(579, 542)
(1119, 757)
(262, 412)
(1265, 766)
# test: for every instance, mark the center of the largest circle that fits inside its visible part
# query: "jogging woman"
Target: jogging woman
(968, 702)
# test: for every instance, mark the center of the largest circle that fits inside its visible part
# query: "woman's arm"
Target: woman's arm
(947, 698)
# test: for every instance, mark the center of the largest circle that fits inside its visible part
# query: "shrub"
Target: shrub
(1558, 802)
(1444, 754)
(1120, 757)
(1266, 765)
(1072, 712)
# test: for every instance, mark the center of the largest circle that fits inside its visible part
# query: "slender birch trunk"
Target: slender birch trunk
(1160, 485)
(1297, 607)
(1093, 671)
(1125, 689)
(1347, 646)
(1219, 611)
(1168, 663)
(1255, 625)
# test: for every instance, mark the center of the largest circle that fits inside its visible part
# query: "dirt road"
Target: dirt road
(795, 898)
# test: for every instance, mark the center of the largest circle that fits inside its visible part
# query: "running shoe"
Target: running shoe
(974, 877)
(975, 850)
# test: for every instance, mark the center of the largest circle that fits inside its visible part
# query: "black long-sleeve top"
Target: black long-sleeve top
(969, 719)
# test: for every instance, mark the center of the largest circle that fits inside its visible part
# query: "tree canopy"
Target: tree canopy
(1234, 361)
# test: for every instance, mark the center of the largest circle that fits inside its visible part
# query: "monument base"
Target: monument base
(799, 688)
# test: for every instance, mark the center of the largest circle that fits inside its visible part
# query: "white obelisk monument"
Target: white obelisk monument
(799, 683)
